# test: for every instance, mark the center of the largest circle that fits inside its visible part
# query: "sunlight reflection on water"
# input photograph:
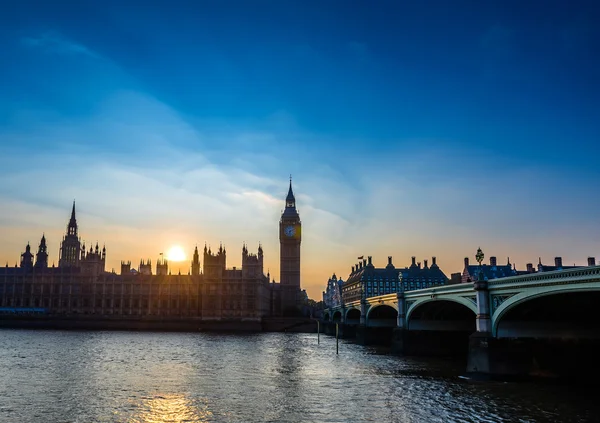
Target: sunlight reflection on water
(174, 408)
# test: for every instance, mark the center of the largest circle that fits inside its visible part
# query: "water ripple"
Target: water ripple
(78, 376)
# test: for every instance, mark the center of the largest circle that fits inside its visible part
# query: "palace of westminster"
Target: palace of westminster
(81, 285)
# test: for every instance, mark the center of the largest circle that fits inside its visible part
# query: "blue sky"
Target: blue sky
(411, 128)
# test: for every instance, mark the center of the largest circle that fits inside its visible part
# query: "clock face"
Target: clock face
(289, 231)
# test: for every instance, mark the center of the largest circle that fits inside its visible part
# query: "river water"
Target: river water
(80, 376)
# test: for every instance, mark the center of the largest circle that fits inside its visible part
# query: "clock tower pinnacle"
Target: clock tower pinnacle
(289, 253)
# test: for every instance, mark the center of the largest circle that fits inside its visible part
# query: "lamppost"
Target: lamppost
(479, 342)
(479, 256)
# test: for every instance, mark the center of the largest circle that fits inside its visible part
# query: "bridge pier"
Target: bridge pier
(399, 341)
(479, 357)
(366, 335)
(345, 331)
(399, 334)
(428, 342)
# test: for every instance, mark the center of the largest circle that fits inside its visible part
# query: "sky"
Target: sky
(410, 129)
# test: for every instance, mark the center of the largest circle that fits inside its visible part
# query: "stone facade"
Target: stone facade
(367, 281)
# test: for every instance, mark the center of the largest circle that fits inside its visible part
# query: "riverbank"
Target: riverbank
(159, 323)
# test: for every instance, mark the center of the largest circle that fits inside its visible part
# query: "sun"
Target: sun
(176, 254)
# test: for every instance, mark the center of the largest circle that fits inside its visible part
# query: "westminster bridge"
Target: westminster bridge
(539, 323)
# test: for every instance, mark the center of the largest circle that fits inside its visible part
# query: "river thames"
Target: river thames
(80, 376)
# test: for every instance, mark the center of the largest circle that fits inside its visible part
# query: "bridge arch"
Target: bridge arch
(460, 300)
(382, 315)
(513, 303)
(442, 314)
(337, 316)
(353, 316)
(326, 316)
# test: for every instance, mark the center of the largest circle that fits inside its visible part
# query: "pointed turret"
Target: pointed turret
(27, 258)
(72, 226)
(41, 258)
(290, 203)
(70, 249)
(196, 262)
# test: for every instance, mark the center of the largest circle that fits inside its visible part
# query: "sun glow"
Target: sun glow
(176, 253)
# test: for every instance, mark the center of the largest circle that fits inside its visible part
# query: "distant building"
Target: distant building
(471, 273)
(81, 285)
(332, 296)
(494, 271)
(365, 280)
(455, 278)
(417, 277)
(558, 264)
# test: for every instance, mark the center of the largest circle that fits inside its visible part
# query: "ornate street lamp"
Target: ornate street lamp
(479, 256)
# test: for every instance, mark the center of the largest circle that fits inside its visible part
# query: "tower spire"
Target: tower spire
(72, 226)
(290, 191)
(290, 200)
(71, 246)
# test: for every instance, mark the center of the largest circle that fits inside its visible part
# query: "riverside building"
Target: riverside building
(365, 280)
(80, 284)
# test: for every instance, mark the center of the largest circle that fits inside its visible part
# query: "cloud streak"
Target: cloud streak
(52, 42)
(145, 178)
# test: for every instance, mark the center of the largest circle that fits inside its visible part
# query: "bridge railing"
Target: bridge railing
(568, 275)
(442, 289)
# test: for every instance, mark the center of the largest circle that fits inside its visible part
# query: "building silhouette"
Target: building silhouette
(80, 284)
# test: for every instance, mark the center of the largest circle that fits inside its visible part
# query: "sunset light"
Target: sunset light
(176, 253)
(287, 211)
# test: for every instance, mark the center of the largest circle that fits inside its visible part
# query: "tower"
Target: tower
(196, 263)
(252, 264)
(214, 264)
(41, 258)
(27, 258)
(289, 252)
(162, 267)
(70, 246)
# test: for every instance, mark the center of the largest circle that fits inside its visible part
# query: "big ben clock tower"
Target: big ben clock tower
(289, 252)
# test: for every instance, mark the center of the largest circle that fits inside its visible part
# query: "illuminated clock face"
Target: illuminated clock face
(289, 231)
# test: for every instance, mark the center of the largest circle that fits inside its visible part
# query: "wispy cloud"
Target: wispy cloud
(145, 178)
(52, 42)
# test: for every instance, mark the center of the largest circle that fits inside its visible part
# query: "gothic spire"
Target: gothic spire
(72, 227)
(290, 203)
(290, 197)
